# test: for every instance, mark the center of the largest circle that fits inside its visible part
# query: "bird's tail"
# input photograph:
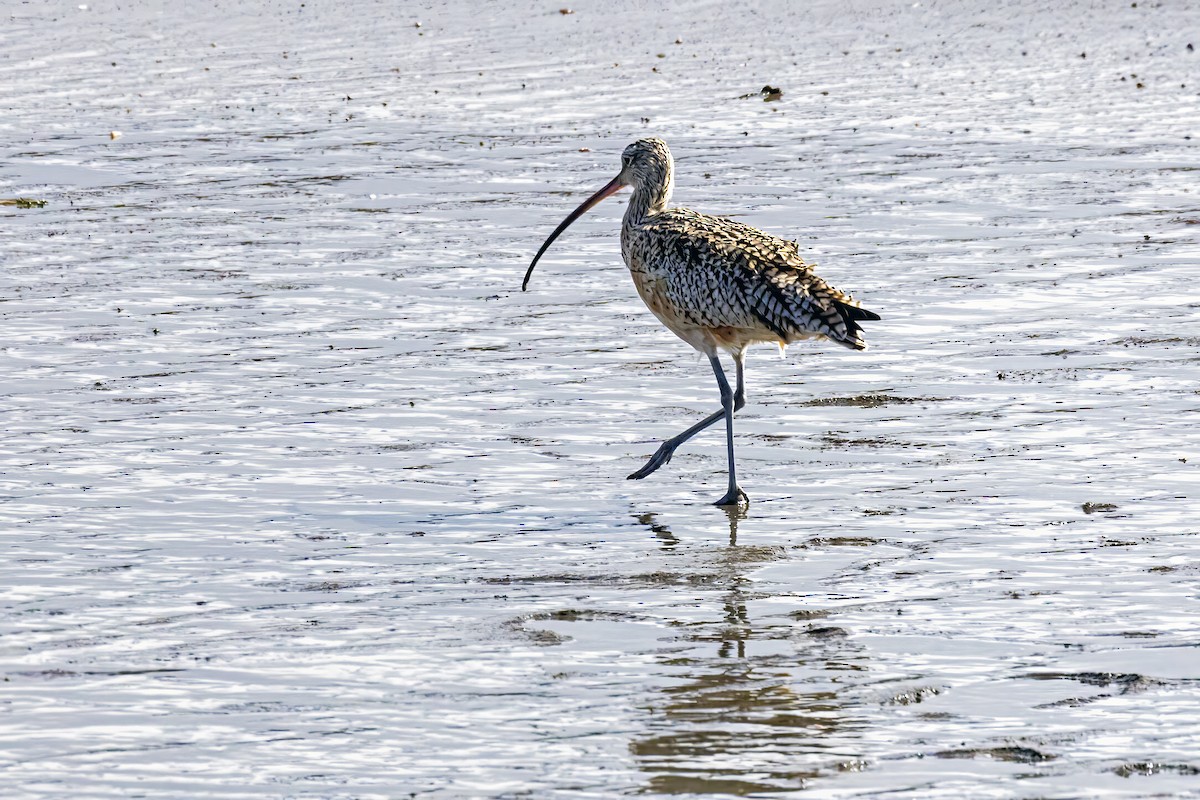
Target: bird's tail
(852, 314)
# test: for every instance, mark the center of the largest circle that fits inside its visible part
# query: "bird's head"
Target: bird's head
(646, 165)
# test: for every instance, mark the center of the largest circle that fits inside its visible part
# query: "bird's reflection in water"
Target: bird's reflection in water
(735, 515)
(754, 709)
(650, 520)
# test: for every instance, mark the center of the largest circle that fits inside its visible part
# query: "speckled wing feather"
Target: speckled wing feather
(723, 273)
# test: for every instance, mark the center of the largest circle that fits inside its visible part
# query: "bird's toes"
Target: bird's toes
(643, 472)
(657, 460)
(734, 497)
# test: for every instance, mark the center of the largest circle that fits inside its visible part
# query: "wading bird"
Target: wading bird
(717, 284)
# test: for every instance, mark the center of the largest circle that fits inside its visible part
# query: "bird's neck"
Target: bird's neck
(647, 201)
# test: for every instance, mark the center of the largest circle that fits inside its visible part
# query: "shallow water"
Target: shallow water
(303, 497)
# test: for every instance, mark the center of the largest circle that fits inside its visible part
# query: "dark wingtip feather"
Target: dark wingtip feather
(852, 315)
(858, 314)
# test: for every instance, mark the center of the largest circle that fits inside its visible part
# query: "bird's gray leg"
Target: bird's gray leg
(668, 448)
(734, 494)
(739, 396)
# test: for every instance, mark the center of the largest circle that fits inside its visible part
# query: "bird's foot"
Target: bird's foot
(660, 457)
(735, 496)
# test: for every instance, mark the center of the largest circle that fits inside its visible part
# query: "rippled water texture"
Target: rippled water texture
(302, 497)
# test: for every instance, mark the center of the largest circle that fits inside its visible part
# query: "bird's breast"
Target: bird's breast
(651, 287)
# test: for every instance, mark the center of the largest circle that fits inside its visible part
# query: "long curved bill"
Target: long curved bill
(613, 186)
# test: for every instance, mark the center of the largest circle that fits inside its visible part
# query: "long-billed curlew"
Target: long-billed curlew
(717, 284)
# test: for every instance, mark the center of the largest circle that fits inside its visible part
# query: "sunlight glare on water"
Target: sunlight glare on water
(303, 497)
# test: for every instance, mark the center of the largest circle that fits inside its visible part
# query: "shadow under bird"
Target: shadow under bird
(717, 284)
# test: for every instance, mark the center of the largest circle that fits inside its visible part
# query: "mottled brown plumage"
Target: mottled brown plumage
(717, 284)
(751, 287)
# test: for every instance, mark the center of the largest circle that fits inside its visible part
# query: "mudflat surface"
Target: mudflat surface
(302, 497)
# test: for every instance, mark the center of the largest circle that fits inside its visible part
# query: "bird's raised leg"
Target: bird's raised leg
(734, 494)
(668, 448)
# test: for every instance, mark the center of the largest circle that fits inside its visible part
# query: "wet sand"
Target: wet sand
(302, 497)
